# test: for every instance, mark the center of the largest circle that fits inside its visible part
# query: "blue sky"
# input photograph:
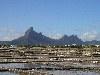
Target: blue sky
(51, 17)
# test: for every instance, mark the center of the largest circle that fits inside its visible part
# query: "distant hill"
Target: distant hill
(93, 42)
(32, 37)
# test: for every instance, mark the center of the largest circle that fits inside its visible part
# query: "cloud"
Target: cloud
(9, 37)
(55, 36)
(89, 36)
(9, 34)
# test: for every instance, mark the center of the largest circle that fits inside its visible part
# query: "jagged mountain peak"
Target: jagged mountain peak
(74, 36)
(30, 29)
(30, 32)
(64, 37)
(33, 37)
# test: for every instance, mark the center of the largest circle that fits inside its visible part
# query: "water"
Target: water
(73, 73)
(12, 65)
(7, 73)
(55, 72)
(29, 65)
(58, 72)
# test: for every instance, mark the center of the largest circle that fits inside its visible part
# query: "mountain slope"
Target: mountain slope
(32, 37)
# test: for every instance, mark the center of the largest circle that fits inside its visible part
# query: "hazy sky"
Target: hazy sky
(51, 17)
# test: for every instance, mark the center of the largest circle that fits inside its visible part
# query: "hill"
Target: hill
(33, 37)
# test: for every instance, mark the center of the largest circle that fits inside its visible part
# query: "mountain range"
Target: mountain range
(32, 37)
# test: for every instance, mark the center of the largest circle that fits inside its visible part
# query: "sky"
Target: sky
(53, 18)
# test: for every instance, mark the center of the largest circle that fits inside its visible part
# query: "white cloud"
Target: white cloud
(9, 37)
(55, 36)
(9, 34)
(88, 36)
